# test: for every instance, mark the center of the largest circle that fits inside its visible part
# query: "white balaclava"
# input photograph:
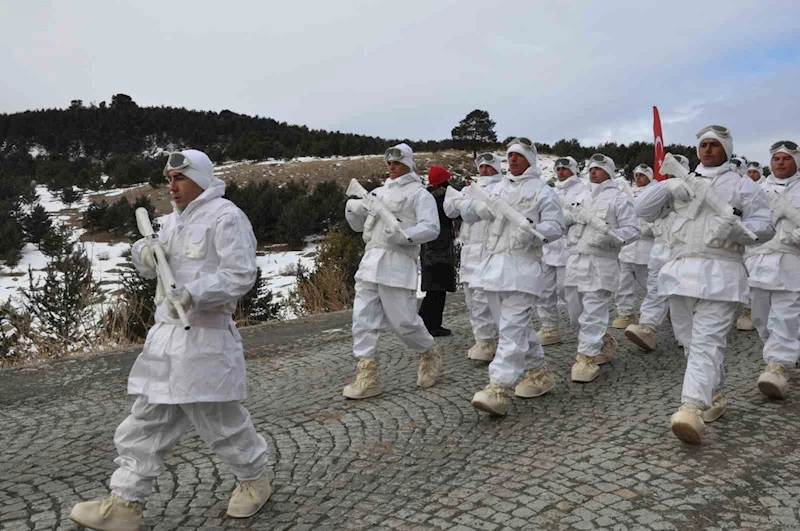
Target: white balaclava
(607, 165)
(529, 152)
(408, 155)
(795, 156)
(202, 169)
(755, 166)
(739, 165)
(573, 165)
(645, 169)
(727, 142)
(494, 164)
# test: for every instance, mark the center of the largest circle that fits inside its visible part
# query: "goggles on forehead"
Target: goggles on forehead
(641, 168)
(563, 163)
(521, 140)
(393, 154)
(754, 166)
(681, 158)
(599, 157)
(721, 130)
(788, 145)
(178, 162)
(736, 162)
(487, 158)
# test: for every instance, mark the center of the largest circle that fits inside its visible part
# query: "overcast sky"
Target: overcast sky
(548, 70)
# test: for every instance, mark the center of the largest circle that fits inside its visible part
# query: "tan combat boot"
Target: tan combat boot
(367, 382)
(623, 321)
(642, 336)
(429, 367)
(585, 369)
(109, 514)
(549, 336)
(608, 350)
(536, 383)
(687, 423)
(745, 321)
(717, 408)
(773, 382)
(249, 497)
(482, 350)
(492, 399)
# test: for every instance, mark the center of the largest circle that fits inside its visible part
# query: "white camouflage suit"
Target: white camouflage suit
(774, 269)
(193, 377)
(511, 272)
(705, 278)
(633, 260)
(386, 281)
(654, 307)
(472, 253)
(593, 267)
(556, 254)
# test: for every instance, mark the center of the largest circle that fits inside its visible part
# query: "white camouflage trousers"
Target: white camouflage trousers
(630, 276)
(480, 315)
(150, 432)
(654, 306)
(518, 348)
(377, 305)
(776, 316)
(702, 327)
(588, 311)
(547, 304)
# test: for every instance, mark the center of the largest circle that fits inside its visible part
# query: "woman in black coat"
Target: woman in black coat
(437, 259)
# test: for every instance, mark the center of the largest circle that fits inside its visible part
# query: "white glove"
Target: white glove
(482, 210)
(357, 207)
(678, 190)
(723, 230)
(396, 238)
(795, 235)
(148, 257)
(671, 166)
(184, 299)
(569, 217)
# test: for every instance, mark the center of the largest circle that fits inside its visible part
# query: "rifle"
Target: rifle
(505, 211)
(700, 193)
(783, 208)
(585, 218)
(376, 206)
(162, 266)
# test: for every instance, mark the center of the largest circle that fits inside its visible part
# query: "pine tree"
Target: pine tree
(475, 131)
(37, 224)
(70, 195)
(61, 304)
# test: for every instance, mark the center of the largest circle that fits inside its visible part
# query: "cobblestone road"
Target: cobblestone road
(595, 456)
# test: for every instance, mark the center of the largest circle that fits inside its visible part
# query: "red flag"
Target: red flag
(658, 142)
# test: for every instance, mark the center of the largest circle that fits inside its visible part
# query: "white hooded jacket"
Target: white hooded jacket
(472, 228)
(511, 262)
(700, 267)
(388, 259)
(211, 249)
(638, 252)
(594, 266)
(569, 191)
(775, 265)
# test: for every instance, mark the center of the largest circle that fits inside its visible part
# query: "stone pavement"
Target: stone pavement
(594, 456)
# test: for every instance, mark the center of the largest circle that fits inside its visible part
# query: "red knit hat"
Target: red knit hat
(437, 175)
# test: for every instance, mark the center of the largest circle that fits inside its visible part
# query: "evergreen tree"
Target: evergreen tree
(37, 224)
(61, 304)
(257, 305)
(70, 195)
(475, 131)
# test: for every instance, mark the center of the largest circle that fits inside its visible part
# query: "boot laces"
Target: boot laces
(496, 390)
(428, 363)
(776, 367)
(107, 504)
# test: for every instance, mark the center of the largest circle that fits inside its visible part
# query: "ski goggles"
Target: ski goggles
(521, 140)
(486, 158)
(641, 168)
(736, 162)
(563, 163)
(599, 157)
(720, 130)
(754, 166)
(393, 154)
(682, 159)
(788, 145)
(178, 162)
